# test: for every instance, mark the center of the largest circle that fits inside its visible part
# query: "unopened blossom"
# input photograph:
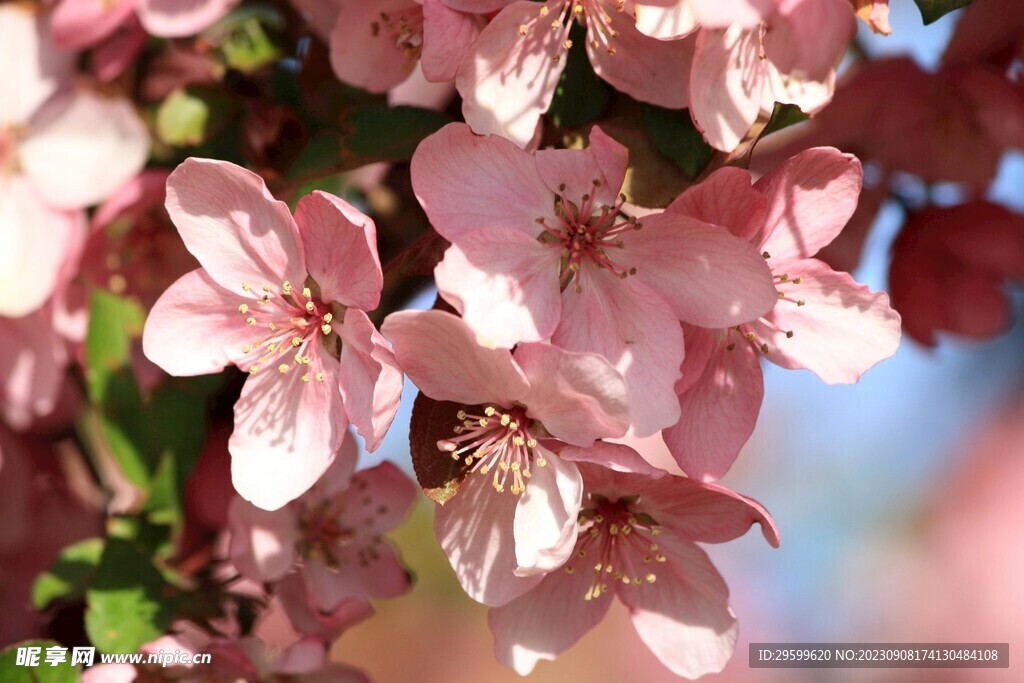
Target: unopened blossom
(508, 78)
(61, 149)
(542, 249)
(377, 44)
(283, 299)
(334, 533)
(950, 267)
(514, 516)
(638, 535)
(823, 320)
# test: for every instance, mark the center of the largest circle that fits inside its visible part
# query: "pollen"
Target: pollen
(251, 322)
(283, 368)
(243, 308)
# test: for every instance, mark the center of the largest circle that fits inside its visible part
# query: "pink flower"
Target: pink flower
(335, 529)
(377, 44)
(638, 536)
(61, 150)
(304, 662)
(308, 618)
(499, 542)
(278, 297)
(508, 78)
(823, 320)
(84, 23)
(949, 268)
(540, 248)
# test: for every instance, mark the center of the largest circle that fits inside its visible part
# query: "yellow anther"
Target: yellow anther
(461, 414)
(286, 287)
(283, 368)
(271, 346)
(247, 348)
(659, 558)
(243, 308)
(305, 378)
(513, 426)
(531, 443)
(254, 369)
(296, 341)
(489, 411)
(272, 326)
(306, 293)
(568, 570)
(505, 419)
(514, 466)
(801, 302)
(651, 578)
(325, 328)
(266, 287)
(522, 29)
(654, 546)
(246, 287)
(518, 441)
(484, 469)
(613, 529)
(482, 422)
(328, 317)
(309, 306)
(319, 377)
(250, 321)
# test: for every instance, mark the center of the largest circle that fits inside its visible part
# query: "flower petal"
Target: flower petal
(647, 69)
(475, 531)
(466, 182)
(233, 226)
(597, 171)
(725, 198)
(34, 67)
(809, 37)
(546, 621)
(719, 411)
(82, 147)
(706, 513)
(306, 618)
(195, 328)
(545, 519)
(723, 13)
(365, 51)
(508, 78)
(709, 277)
(340, 246)
(841, 331)
(287, 433)
(726, 86)
(442, 357)
(629, 324)
(810, 198)
(371, 381)
(262, 543)
(382, 497)
(579, 397)
(77, 24)
(664, 19)
(612, 456)
(447, 36)
(505, 285)
(175, 19)
(360, 574)
(684, 616)
(33, 358)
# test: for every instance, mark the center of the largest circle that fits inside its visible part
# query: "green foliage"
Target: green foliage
(674, 135)
(10, 672)
(933, 10)
(70, 574)
(129, 602)
(784, 116)
(581, 97)
(246, 36)
(190, 117)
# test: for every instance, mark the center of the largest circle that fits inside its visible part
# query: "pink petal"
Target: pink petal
(611, 456)
(545, 519)
(664, 19)
(431, 345)
(82, 147)
(365, 50)
(447, 37)
(138, 195)
(340, 245)
(504, 284)
(477, 6)
(726, 85)
(338, 476)
(724, 198)
(381, 498)
(287, 433)
(719, 411)
(507, 79)
(466, 182)
(114, 55)
(700, 344)
(810, 198)
(573, 172)
(175, 18)
(842, 330)
(635, 330)
(35, 68)
(546, 621)
(109, 673)
(195, 328)
(33, 359)
(371, 381)
(707, 275)
(475, 531)
(579, 397)
(809, 95)
(233, 226)
(306, 618)
(809, 37)
(77, 24)
(684, 616)
(36, 242)
(724, 13)
(360, 574)
(262, 543)
(645, 68)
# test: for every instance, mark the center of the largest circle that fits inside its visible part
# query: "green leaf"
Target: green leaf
(247, 36)
(11, 672)
(127, 604)
(933, 10)
(784, 116)
(371, 133)
(674, 135)
(580, 97)
(70, 574)
(190, 117)
(113, 323)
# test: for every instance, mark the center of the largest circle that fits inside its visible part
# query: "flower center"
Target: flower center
(616, 544)
(590, 13)
(406, 30)
(322, 531)
(498, 441)
(586, 233)
(786, 287)
(290, 323)
(8, 150)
